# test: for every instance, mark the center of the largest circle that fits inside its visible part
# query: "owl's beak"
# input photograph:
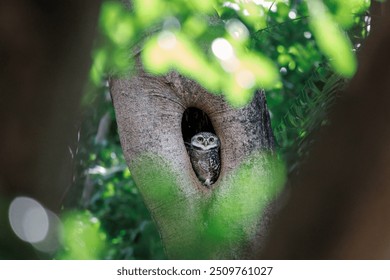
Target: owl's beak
(206, 142)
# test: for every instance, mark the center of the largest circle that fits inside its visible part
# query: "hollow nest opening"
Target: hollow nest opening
(194, 121)
(204, 151)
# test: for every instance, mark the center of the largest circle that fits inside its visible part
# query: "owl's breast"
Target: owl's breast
(206, 164)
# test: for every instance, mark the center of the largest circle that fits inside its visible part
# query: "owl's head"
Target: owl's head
(205, 141)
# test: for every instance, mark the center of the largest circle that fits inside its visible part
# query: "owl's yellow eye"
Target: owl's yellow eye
(200, 139)
(211, 140)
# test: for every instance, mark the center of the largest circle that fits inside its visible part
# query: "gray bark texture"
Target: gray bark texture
(149, 111)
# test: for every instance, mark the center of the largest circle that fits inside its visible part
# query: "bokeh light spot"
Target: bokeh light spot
(245, 79)
(307, 34)
(171, 23)
(28, 219)
(237, 29)
(292, 14)
(222, 49)
(167, 40)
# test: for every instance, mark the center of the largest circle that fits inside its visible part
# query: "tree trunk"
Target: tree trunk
(156, 116)
(45, 57)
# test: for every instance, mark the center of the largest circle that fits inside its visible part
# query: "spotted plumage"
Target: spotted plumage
(204, 154)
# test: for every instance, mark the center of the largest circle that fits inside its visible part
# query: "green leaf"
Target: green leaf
(117, 23)
(344, 12)
(167, 50)
(331, 39)
(82, 237)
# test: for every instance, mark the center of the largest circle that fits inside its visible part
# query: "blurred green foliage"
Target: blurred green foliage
(82, 238)
(302, 52)
(220, 43)
(209, 226)
(232, 216)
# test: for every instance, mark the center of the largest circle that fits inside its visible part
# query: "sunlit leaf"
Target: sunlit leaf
(237, 30)
(126, 173)
(109, 191)
(283, 10)
(116, 22)
(253, 15)
(204, 6)
(169, 50)
(99, 66)
(195, 26)
(248, 72)
(121, 61)
(82, 237)
(148, 11)
(236, 95)
(111, 13)
(331, 39)
(344, 12)
(284, 59)
(265, 72)
(123, 31)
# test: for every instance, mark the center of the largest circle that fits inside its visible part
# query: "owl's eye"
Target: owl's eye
(200, 139)
(211, 140)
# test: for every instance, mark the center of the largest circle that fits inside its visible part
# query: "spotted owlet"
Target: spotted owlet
(204, 154)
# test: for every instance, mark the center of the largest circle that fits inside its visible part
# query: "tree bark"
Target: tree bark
(338, 207)
(45, 57)
(150, 112)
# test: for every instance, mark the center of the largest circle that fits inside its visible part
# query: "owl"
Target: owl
(204, 155)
